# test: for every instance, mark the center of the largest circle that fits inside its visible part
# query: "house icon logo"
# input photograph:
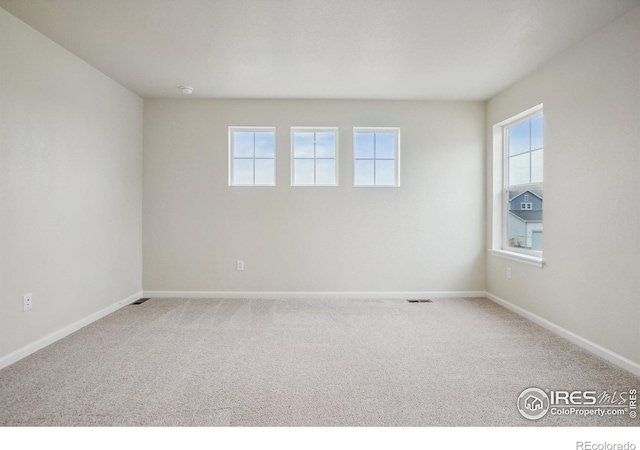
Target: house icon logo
(533, 403)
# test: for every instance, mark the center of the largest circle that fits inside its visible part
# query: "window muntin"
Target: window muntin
(525, 151)
(314, 156)
(523, 184)
(252, 156)
(376, 153)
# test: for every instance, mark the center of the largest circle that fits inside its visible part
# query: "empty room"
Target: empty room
(305, 213)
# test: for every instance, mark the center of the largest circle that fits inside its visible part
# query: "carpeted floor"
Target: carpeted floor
(206, 362)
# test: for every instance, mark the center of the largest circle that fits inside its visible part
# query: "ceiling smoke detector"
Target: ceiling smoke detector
(186, 90)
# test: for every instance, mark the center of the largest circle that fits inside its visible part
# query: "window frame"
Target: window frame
(506, 187)
(396, 159)
(336, 158)
(231, 157)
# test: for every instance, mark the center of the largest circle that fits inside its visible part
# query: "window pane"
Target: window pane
(243, 171)
(326, 145)
(243, 144)
(363, 145)
(363, 173)
(303, 171)
(385, 173)
(265, 171)
(326, 171)
(537, 166)
(537, 133)
(519, 170)
(519, 138)
(265, 144)
(385, 145)
(524, 227)
(302, 145)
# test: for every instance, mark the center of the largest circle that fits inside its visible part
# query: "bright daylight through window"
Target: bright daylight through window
(252, 156)
(376, 154)
(523, 184)
(314, 156)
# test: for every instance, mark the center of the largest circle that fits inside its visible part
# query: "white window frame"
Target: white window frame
(254, 129)
(500, 245)
(526, 206)
(396, 131)
(336, 132)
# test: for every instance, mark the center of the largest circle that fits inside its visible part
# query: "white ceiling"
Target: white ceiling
(351, 49)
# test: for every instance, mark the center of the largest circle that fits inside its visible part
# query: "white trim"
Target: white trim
(66, 331)
(519, 257)
(303, 295)
(586, 344)
(521, 117)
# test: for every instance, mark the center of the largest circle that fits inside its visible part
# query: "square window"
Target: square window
(376, 153)
(252, 156)
(314, 152)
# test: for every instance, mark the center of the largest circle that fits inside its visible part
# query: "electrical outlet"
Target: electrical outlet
(508, 273)
(27, 302)
(239, 265)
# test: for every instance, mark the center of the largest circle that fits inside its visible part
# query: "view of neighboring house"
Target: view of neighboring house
(524, 221)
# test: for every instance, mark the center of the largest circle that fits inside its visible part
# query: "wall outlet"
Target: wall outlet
(27, 302)
(508, 273)
(239, 265)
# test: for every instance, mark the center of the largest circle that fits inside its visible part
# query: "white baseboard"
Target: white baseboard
(287, 295)
(586, 344)
(57, 335)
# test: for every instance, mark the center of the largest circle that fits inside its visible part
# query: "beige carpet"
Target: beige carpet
(205, 362)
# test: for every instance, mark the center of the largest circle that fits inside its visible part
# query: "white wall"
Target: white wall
(426, 235)
(591, 282)
(70, 188)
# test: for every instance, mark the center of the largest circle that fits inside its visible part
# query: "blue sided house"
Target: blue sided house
(524, 219)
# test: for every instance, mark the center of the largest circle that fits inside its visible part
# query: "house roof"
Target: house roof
(528, 215)
(536, 192)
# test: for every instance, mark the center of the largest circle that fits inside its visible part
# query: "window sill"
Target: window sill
(519, 257)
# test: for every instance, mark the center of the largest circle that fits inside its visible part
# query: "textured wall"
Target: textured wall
(590, 284)
(425, 235)
(70, 187)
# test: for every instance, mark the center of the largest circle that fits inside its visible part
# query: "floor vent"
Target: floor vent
(420, 301)
(140, 302)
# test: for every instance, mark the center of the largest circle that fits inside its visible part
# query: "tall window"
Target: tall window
(314, 156)
(376, 153)
(252, 156)
(523, 143)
